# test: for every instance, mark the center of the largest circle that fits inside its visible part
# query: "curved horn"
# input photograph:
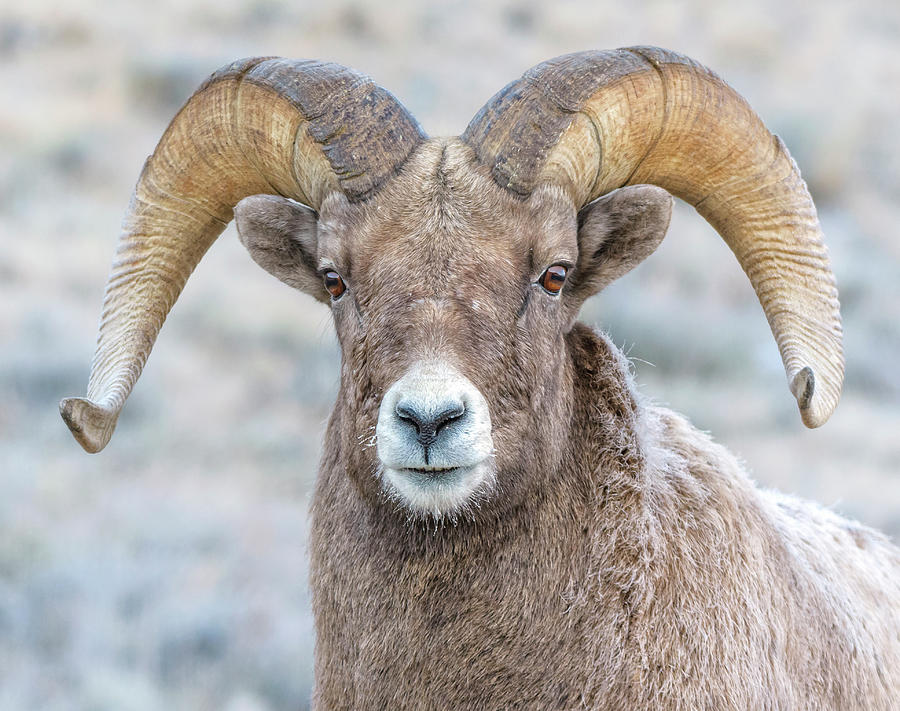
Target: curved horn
(300, 129)
(596, 121)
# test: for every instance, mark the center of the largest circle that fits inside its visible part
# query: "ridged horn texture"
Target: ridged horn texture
(300, 129)
(592, 122)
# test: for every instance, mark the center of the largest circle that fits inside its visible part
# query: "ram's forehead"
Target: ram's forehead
(446, 205)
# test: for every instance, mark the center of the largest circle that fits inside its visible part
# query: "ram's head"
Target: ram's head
(455, 267)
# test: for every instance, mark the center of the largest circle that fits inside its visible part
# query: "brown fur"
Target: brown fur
(623, 560)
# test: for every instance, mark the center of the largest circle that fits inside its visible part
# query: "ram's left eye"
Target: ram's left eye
(334, 285)
(553, 278)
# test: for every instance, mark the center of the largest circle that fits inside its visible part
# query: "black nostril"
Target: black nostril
(444, 418)
(407, 413)
(429, 423)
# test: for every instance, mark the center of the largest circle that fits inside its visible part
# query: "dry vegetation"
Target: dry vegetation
(169, 571)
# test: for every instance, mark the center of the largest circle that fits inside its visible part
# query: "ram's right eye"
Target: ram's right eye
(334, 285)
(553, 278)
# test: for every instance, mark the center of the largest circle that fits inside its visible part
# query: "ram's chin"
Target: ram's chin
(439, 493)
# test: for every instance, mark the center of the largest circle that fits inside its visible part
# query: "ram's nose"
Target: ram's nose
(434, 439)
(433, 418)
(428, 418)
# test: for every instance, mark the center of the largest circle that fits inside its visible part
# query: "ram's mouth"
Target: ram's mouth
(439, 491)
(431, 473)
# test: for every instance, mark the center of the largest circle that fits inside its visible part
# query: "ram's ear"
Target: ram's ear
(616, 233)
(281, 236)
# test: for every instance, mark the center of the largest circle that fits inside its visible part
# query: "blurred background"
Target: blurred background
(169, 572)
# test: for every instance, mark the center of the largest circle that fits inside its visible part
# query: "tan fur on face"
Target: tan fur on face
(443, 264)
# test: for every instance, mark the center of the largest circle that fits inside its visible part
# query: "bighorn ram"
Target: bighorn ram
(526, 531)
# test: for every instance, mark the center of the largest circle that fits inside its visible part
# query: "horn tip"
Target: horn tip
(803, 386)
(91, 424)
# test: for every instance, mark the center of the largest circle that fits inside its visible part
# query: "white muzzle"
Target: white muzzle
(434, 440)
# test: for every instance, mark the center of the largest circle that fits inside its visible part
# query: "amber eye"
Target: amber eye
(334, 284)
(553, 279)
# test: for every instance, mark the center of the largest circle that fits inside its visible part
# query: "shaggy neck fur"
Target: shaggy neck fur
(611, 586)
